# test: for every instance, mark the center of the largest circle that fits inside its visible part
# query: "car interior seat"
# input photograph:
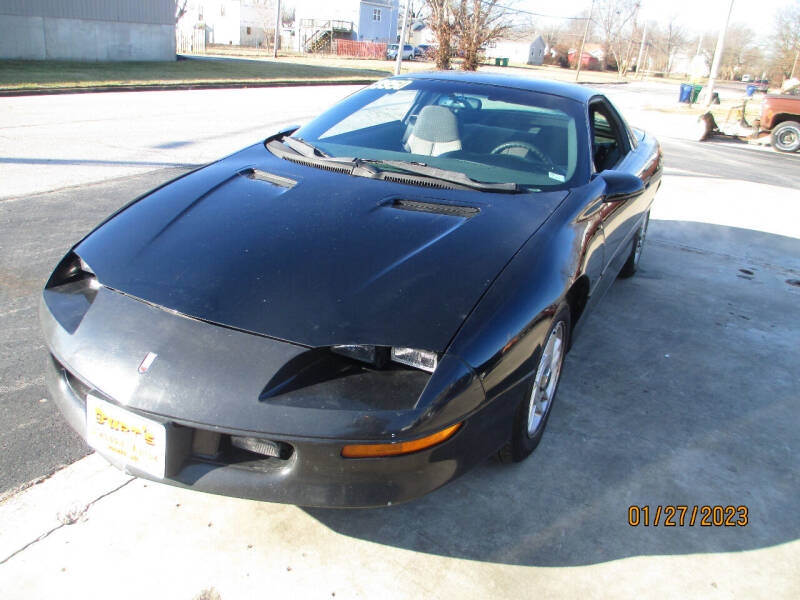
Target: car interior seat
(435, 132)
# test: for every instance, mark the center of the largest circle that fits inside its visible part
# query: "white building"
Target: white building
(107, 30)
(696, 66)
(528, 52)
(317, 21)
(419, 33)
(233, 22)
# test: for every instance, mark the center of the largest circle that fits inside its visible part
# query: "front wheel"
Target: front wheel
(786, 137)
(533, 412)
(630, 266)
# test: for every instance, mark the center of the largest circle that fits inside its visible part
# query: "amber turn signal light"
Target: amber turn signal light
(373, 450)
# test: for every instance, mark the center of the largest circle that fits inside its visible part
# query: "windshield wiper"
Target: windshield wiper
(368, 167)
(417, 168)
(301, 146)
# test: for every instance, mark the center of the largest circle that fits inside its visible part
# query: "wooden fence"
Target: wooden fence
(360, 49)
(190, 42)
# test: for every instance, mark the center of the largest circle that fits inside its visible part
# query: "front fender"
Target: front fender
(501, 336)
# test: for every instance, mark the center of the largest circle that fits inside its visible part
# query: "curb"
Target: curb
(602, 82)
(181, 86)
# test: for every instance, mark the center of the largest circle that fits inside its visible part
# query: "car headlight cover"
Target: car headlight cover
(367, 354)
(378, 356)
(421, 359)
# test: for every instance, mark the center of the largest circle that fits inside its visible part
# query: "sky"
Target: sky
(695, 15)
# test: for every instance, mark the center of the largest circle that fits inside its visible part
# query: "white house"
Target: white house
(360, 20)
(696, 66)
(518, 51)
(418, 33)
(234, 22)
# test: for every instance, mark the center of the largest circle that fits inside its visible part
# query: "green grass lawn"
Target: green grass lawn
(21, 74)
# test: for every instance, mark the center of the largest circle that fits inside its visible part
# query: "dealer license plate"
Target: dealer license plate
(136, 441)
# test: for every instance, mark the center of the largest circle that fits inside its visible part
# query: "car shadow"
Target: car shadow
(681, 390)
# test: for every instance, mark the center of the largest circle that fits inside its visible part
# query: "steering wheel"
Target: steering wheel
(526, 146)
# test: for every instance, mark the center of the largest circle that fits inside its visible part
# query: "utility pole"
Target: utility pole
(717, 58)
(583, 41)
(641, 51)
(646, 51)
(277, 28)
(402, 42)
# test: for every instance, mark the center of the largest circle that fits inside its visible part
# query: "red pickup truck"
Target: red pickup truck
(780, 115)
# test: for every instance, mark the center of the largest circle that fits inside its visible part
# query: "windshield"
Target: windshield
(489, 133)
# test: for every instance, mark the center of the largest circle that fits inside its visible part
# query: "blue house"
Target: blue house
(318, 22)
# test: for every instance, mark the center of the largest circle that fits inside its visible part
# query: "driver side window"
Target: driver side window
(607, 148)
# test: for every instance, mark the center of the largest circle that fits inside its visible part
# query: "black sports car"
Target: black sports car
(355, 312)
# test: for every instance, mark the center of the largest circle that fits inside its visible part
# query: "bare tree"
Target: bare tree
(785, 42)
(479, 22)
(613, 18)
(287, 15)
(740, 53)
(668, 40)
(180, 9)
(442, 22)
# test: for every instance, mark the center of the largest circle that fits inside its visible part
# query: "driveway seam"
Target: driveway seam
(65, 522)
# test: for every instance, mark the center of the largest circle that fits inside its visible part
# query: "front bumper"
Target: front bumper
(209, 380)
(314, 475)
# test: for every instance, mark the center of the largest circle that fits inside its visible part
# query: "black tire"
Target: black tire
(786, 137)
(523, 442)
(637, 246)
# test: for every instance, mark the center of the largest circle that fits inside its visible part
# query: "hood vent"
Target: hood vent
(452, 210)
(258, 175)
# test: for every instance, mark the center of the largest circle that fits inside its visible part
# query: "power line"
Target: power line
(528, 12)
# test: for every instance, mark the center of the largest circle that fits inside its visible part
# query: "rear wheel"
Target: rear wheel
(534, 410)
(630, 266)
(786, 137)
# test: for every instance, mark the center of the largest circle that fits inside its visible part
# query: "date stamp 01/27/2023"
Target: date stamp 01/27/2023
(677, 515)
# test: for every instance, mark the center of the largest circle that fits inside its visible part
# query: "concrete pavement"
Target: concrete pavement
(49, 142)
(681, 390)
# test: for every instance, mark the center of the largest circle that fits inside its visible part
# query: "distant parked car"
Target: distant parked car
(747, 78)
(762, 85)
(408, 51)
(423, 51)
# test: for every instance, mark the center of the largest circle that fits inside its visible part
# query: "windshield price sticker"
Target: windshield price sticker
(390, 84)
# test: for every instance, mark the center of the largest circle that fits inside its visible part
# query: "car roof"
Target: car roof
(573, 91)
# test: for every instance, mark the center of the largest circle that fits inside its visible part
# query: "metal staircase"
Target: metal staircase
(324, 32)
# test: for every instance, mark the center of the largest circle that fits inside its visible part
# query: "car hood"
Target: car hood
(314, 257)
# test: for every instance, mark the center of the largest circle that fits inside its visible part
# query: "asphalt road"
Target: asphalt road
(42, 217)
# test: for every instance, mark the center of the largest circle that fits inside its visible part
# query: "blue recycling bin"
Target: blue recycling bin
(686, 93)
(748, 91)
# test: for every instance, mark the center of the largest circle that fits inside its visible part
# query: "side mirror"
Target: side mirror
(621, 186)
